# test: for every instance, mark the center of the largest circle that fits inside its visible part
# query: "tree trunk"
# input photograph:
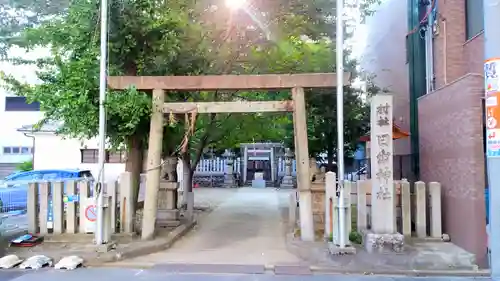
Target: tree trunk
(134, 164)
(187, 178)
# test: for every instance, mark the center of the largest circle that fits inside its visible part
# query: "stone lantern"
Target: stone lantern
(228, 176)
(168, 213)
(287, 181)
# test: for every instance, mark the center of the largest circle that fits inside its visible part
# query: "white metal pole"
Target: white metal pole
(340, 120)
(99, 233)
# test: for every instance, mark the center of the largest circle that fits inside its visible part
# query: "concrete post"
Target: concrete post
(348, 205)
(71, 208)
(32, 209)
(330, 197)
(362, 187)
(44, 206)
(421, 209)
(435, 200)
(406, 207)
(126, 204)
(302, 156)
(111, 191)
(153, 167)
(84, 191)
(58, 207)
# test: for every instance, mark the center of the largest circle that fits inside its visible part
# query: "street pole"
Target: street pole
(492, 119)
(99, 233)
(340, 121)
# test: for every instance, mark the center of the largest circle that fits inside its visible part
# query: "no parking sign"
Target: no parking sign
(90, 215)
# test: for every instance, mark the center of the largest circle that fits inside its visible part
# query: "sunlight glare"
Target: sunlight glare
(235, 4)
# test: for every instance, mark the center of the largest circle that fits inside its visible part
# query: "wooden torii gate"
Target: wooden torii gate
(295, 82)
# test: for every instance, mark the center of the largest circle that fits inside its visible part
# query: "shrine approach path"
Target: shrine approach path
(246, 226)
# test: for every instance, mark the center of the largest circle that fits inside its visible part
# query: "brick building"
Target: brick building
(438, 46)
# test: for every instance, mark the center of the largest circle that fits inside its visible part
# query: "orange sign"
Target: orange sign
(493, 111)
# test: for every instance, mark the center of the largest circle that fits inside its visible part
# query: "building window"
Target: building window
(89, 155)
(20, 104)
(116, 157)
(16, 150)
(92, 156)
(474, 18)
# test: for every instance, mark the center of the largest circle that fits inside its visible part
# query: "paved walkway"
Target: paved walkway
(246, 227)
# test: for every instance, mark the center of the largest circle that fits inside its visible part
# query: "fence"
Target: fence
(417, 213)
(69, 207)
(218, 166)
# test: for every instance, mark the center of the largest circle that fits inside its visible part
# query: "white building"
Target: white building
(52, 151)
(15, 112)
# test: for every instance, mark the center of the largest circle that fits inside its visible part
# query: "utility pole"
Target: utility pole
(99, 232)
(492, 120)
(340, 121)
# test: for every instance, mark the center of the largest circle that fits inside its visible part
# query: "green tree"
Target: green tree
(149, 37)
(145, 38)
(25, 166)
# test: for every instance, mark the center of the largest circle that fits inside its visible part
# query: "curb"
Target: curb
(144, 248)
(411, 272)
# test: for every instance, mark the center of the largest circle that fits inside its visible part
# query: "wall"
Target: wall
(455, 56)
(11, 121)
(451, 152)
(53, 152)
(451, 129)
(385, 56)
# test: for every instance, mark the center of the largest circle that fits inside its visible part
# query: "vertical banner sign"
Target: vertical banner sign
(492, 95)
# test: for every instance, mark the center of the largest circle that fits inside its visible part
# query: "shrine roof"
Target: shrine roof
(397, 133)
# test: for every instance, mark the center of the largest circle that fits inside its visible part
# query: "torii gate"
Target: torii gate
(295, 82)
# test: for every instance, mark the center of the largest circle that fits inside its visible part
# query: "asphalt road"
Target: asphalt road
(113, 274)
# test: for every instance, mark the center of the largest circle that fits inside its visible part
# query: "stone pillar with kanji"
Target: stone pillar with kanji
(287, 181)
(383, 234)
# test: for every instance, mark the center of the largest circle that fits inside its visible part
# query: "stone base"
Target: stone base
(379, 243)
(168, 218)
(167, 223)
(287, 182)
(258, 183)
(104, 248)
(336, 250)
(229, 181)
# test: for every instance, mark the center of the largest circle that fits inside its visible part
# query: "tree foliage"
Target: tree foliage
(181, 37)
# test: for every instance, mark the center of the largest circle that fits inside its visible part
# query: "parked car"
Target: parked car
(14, 188)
